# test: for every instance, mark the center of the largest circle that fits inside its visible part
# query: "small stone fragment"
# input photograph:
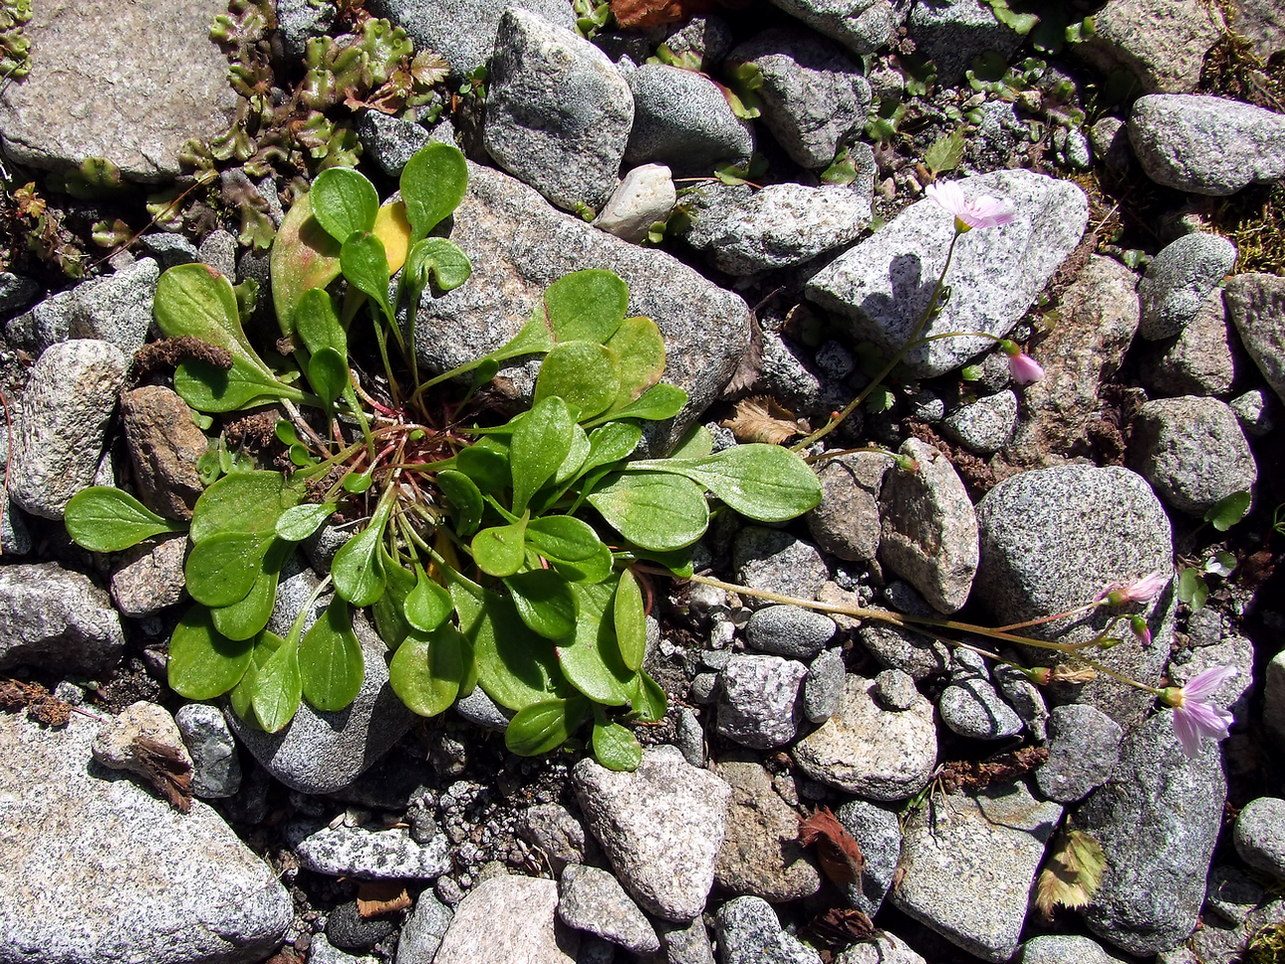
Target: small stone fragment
(645, 196)
(389, 854)
(750, 933)
(1179, 280)
(144, 739)
(790, 631)
(823, 686)
(1084, 746)
(592, 900)
(56, 619)
(759, 703)
(216, 769)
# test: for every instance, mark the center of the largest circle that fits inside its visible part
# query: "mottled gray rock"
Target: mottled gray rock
(919, 655)
(592, 900)
(390, 141)
(708, 37)
(117, 745)
(556, 833)
(1064, 949)
(779, 226)
(1097, 319)
(645, 196)
(1026, 699)
(421, 935)
(146, 79)
(506, 919)
(149, 576)
(1191, 449)
(481, 710)
(1198, 360)
(814, 97)
(519, 245)
(169, 250)
(1206, 145)
(687, 943)
(789, 631)
(1254, 409)
(1274, 697)
(985, 425)
(1158, 818)
(661, 827)
(971, 706)
(895, 690)
(683, 120)
(56, 620)
(70, 395)
(881, 286)
(164, 444)
(750, 933)
(823, 686)
(216, 769)
(869, 751)
(1161, 43)
(883, 948)
(321, 752)
(878, 832)
(863, 26)
(1262, 23)
(463, 31)
(929, 528)
(115, 309)
(758, 705)
(846, 522)
(1216, 943)
(16, 291)
(954, 33)
(558, 113)
(322, 951)
(1232, 894)
(219, 250)
(1260, 835)
(969, 864)
(1179, 280)
(761, 854)
(1256, 306)
(101, 870)
(344, 851)
(1051, 540)
(299, 21)
(1084, 746)
(776, 561)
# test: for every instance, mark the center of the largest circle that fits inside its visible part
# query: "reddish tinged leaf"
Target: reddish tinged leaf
(652, 13)
(839, 855)
(971, 776)
(840, 926)
(377, 897)
(165, 770)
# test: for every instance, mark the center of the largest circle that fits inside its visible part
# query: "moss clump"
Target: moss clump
(1254, 220)
(1267, 946)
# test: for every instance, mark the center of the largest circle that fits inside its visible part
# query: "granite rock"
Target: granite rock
(57, 620)
(1179, 281)
(863, 26)
(682, 119)
(645, 196)
(116, 308)
(164, 445)
(506, 919)
(954, 33)
(1084, 747)
(149, 576)
(216, 769)
(1199, 360)
(1256, 306)
(776, 561)
(846, 522)
(1260, 835)
(878, 832)
(790, 631)
(749, 932)
(1161, 43)
(593, 901)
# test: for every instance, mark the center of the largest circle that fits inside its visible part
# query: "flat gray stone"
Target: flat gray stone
(775, 561)
(463, 31)
(519, 245)
(558, 114)
(391, 854)
(216, 769)
(1192, 451)
(1064, 949)
(116, 308)
(554, 831)
(660, 826)
(880, 287)
(1161, 43)
(1084, 747)
(1179, 280)
(1232, 894)
(761, 854)
(421, 935)
(878, 832)
(863, 26)
(985, 425)
(150, 577)
(1051, 540)
(1158, 819)
(299, 21)
(645, 196)
(505, 919)
(969, 864)
(789, 631)
(1256, 306)
(882, 948)
(759, 701)
(1206, 145)
(56, 620)
(779, 226)
(321, 752)
(919, 656)
(1199, 360)
(823, 686)
(750, 933)
(682, 119)
(101, 871)
(687, 943)
(972, 707)
(846, 522)
(814, 96)
(69, 398)
(145, 79)
(929, 528)
(1260, 835)
(592, 900)
(390, 141)
(871, 752)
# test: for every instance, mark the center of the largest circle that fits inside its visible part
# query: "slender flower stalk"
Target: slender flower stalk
(1193, 715)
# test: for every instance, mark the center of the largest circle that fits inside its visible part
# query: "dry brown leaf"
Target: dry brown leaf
(1072, 875)
(1066, 673)
(377, 897)
(840, 927)
(763, 419)
(166, 770)
(634, 14)
(972, 775)
(839, 855)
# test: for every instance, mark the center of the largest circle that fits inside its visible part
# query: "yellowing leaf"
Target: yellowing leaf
(392, 227)
(762, 419)
(1072, 875)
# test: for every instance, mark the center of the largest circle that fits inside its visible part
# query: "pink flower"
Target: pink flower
(1141, 590)
(1024, 369)
(977, 212)
(1193, 715)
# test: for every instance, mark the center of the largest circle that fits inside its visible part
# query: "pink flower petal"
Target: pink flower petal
(982, 211)
(1185, 730)
(1024, 369)
(1206, 684)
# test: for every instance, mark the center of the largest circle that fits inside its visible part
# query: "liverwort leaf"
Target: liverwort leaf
(540, 443)
(764, 482)
(586, 305)
(630, 619)
(544, 726)
(544, 600)
(433, 183)
(106, 519)
(278, 686)
(203, 663)
(299, 522)
(615, 746)
(331, 665)
(428, 669)
(343, 202)
(653, 510)
(584, 373)
(358, 568)
(365, 265)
